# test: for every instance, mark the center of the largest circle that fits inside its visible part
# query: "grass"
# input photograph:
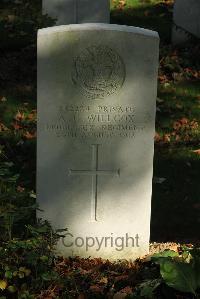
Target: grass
(175, 202)
(178, 101)
(146, 14)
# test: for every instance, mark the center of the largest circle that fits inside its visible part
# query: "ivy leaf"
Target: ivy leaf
(12, 289)
(165, 253)
(196, 264)
(148, 288)
(49, 276)
(178, 275)
(44, 258)
(197, 271)
(8, 274)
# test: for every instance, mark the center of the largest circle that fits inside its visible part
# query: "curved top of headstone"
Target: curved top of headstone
(100, 26)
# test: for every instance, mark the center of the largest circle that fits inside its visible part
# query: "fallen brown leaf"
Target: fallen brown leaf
(3, 127)
(157, 137)
(96, 289)
(16, 126)
(3, 99)
(103, 280)
(19, 116)
(29, 135)
(197, 152)
(20, 189)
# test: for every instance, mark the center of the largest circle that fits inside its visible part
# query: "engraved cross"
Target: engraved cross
(94, 173)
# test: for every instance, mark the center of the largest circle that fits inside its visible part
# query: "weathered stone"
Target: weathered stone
(96, 119)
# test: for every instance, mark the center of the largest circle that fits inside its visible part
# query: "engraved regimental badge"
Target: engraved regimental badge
(98, 72)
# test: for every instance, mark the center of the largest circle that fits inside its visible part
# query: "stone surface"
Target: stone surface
(77, 11)
(96, 118)
(186, 17)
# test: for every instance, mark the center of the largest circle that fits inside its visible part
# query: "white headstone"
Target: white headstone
(186, 17)
(97, 89)
(77, 11)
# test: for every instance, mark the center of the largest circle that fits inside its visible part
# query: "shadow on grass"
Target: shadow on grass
(156, 17)
(178, 101)
(175, 202)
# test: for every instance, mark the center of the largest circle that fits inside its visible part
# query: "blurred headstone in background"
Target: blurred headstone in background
(186, 17)
(77, 11)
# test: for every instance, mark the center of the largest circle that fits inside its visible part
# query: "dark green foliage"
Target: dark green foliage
(21, 19)
(15, 206)
(180, 272)
(26, 251)
(179, 276)
(27, 266)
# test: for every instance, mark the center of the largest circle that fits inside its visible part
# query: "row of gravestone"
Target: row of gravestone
(77, 11)
(97, 87)
(186, 15)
